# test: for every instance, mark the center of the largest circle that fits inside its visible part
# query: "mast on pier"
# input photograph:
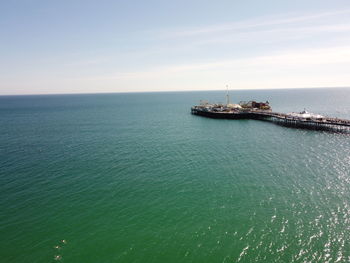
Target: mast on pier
(227, 96)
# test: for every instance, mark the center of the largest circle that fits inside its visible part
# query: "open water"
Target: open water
(137, 178)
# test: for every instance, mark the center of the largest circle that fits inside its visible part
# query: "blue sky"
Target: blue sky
(129, 46)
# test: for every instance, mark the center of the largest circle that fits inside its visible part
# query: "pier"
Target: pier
(297, 120)
(324, 123)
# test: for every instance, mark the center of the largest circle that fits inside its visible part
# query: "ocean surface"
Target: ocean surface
(137, 178)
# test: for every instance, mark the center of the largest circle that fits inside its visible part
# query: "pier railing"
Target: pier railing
(289, 117)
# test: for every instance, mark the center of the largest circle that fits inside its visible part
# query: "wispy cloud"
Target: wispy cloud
(288, 69)
(287, 59)
(253, 23)
(277, 35)
(277, 30)
(262, 34)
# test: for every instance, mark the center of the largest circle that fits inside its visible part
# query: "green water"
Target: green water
(137, 178)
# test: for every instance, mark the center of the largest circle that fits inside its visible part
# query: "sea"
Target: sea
(134, 177)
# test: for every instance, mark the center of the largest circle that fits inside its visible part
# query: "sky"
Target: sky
(82, 46)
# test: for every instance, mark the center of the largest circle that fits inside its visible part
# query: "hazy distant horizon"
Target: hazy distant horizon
(166, 91)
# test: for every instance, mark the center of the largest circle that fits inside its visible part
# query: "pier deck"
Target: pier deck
(324, 123)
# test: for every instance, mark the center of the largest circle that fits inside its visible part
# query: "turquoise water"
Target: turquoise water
(137, 178)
